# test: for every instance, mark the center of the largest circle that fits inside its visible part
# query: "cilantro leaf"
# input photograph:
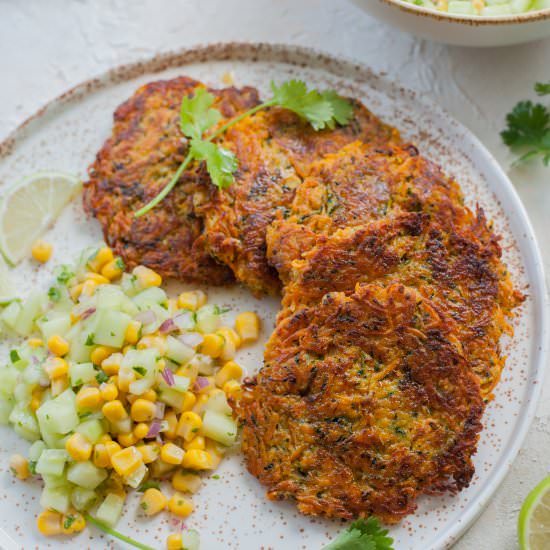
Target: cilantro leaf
(542, 88)
(362, 535)
(150, 484)
(342, 109)
(528, 127)
(101, 377)
(196, 114)
(220, 163)
(54, 294)
(142, 371)
(14, 356)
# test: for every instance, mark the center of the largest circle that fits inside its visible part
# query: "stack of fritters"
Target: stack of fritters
(394, 293)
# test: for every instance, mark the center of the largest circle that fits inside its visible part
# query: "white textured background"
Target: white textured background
(47, 46)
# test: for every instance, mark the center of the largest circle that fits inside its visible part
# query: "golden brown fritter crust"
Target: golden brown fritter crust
(275, 150)
(363, 404)
(145, 150)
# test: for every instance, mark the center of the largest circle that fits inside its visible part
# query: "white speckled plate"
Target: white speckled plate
(231, 512)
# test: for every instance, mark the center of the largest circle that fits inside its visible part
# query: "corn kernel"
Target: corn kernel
(111, 365)
(192, 300)
(35, 342)
(195, 459)
(212, 345)
(133, 332)
(56, 367)
(59, 385)
(78, 447)
(114, 484)
(171, 454)
(174, 542)
(125, 378)
(96, 278)
(179, 505)
(75, 292)
(49, 523)
(197, 442)
(157, 342)
(229, 334)
(143, 410)
(215, 452)
(141, 430)
(127, 461)
(233, 389)
(113, 269)
(150, 395)
(153, 502)
(172, 420)
(108, 391)
(100, 456)
(88, 398)
(101, 353)
(36, 399)
(188, 426)
(41, 251)
(127, 439)
(147, 277)
(185, 482)
(189, 400)
(200, 404)
(114, 411)
(247, 325)
(230, 371)
(88, 288)
(103, 255)
(19, 466)
(112, 448)
(73, 523)
(149, 452)
(58, 345)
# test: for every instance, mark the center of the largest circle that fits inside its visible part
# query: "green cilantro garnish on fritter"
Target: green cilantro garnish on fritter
(362, 535)
(528, 128)
(198, 118)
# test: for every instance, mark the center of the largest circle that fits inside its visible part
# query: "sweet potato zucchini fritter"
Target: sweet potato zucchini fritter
(145, 150)
(275, 150)
(363, 403)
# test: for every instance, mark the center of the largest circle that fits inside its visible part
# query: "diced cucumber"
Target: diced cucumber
(55, 482)
(177, 351)
(54, 440)
(110, 510)
(36, 450)
(34, 374)
(6, 406)
(22, 394)
(136, 478)
(141, 358)
(86, 474)
(58, 415)
(52, 324)
(81, 373)
(219, 427)
(218, 403)
(462, 7)
(208, 318)
(30, 311)
(110, 328)
(123, 426)
(129, 284)
(205, 365)
(8, 380)
(190, 539)
(58, 499)
(83, 499)
(81, 347)
(11, 313)
(172, 398)
(139, 387)
(24, 423)
(150, 296)
(109, 297)
(184, 319)
(181, 383)
(92, 430)
(52, 462)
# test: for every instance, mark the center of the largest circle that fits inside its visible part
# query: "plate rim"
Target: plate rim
(341, 65)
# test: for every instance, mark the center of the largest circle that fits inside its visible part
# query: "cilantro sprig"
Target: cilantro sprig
(362, 535)
(528, 128)
(198, 119)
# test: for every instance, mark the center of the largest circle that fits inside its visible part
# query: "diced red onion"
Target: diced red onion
(200, 383)
(87, 313)
(159, 409)
(168, 377)
(191, 339)
(35, 360)
(146, 317)
(154, 429)
(168, 326)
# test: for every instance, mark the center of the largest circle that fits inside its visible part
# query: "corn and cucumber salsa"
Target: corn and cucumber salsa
(118, 386)
(483, 7)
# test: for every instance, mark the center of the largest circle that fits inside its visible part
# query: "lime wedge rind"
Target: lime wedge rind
(534, 518)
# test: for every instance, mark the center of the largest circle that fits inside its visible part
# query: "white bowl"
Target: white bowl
(468, 30)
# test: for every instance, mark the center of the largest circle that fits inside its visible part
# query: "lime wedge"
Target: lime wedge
(29, 208)
(7, 290)
(534, 518)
